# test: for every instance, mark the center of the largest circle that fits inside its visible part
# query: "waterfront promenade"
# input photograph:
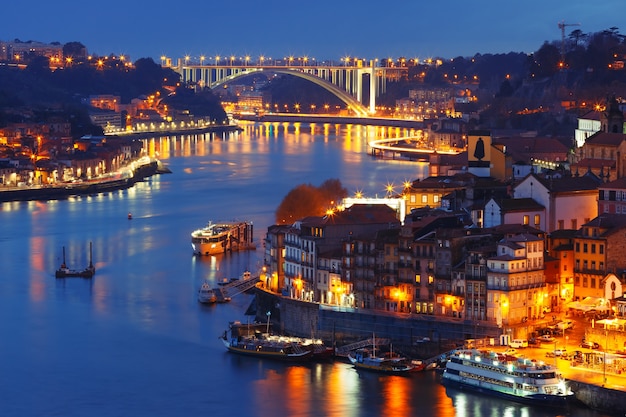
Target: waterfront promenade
(137, 171)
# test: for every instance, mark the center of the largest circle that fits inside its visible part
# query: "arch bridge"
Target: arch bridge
(344, 81)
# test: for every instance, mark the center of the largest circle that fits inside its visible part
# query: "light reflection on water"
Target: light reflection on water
(133, 340)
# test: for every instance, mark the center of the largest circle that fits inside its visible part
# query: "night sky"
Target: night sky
(321, 29)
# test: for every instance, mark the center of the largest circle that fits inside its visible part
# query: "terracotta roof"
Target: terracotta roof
(618, 184)
(519, 204)
(585, 182)
(586, 163)
(612, 222)
(524, 237)
(605, 138)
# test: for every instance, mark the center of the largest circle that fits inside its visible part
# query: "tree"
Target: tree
(307, 200)
(75, 50)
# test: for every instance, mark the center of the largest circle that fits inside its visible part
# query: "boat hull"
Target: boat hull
(556, 401)
(381, 366)
(264, 352)
(219, 238)
(71, 273)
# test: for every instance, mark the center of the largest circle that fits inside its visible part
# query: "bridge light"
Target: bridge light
(202, 57)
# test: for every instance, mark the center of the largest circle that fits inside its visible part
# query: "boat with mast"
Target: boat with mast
(365, 359)
(65, 272)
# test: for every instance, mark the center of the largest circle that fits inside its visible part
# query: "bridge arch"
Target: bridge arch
(352, 104)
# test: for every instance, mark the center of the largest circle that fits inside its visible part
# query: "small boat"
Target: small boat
(206, 295)
(267, 347)
(217, 238)
(65, 272)
(517, 379)
(130, 215)
(366, 360)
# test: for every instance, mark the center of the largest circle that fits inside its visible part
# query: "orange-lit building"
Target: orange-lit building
(599, 248)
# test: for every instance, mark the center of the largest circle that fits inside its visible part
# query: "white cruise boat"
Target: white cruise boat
(516, 379)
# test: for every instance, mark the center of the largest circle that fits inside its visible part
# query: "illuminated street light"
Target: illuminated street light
(202, 57)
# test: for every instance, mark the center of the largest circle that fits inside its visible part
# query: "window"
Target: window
(526, 219)
(578, 247)
(593, 248)
(418, 279)
(601, 249)
(435, 198)
(585, 248)
(424, 198)
(537, 219)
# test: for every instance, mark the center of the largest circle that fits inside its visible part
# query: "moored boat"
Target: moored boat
(516, 379)
(367, 360)
(65, 272)
(264, 347)
(217, 238)
(206, 295)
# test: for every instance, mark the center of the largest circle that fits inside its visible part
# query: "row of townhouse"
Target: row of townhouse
(438, 262)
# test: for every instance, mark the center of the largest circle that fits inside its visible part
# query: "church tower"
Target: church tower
(612, 119)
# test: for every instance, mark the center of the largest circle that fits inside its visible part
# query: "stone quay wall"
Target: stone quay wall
(599, 398)
(344, 325)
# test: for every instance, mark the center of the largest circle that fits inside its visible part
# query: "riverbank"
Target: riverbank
(313, 118)
(144, 134)
(422, 337)
(98, 185)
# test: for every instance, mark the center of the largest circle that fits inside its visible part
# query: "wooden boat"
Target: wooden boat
(283, 350)
(65, 272)
(366, 360)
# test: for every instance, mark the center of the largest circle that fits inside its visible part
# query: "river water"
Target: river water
(134, 341)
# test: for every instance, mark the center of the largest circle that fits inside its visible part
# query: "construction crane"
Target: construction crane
(562, 26)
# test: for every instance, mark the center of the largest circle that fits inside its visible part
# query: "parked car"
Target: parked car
(546, 338)
(589, 344)
(533, 341)
(565, 324)
(510, 351)
(518, 343)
